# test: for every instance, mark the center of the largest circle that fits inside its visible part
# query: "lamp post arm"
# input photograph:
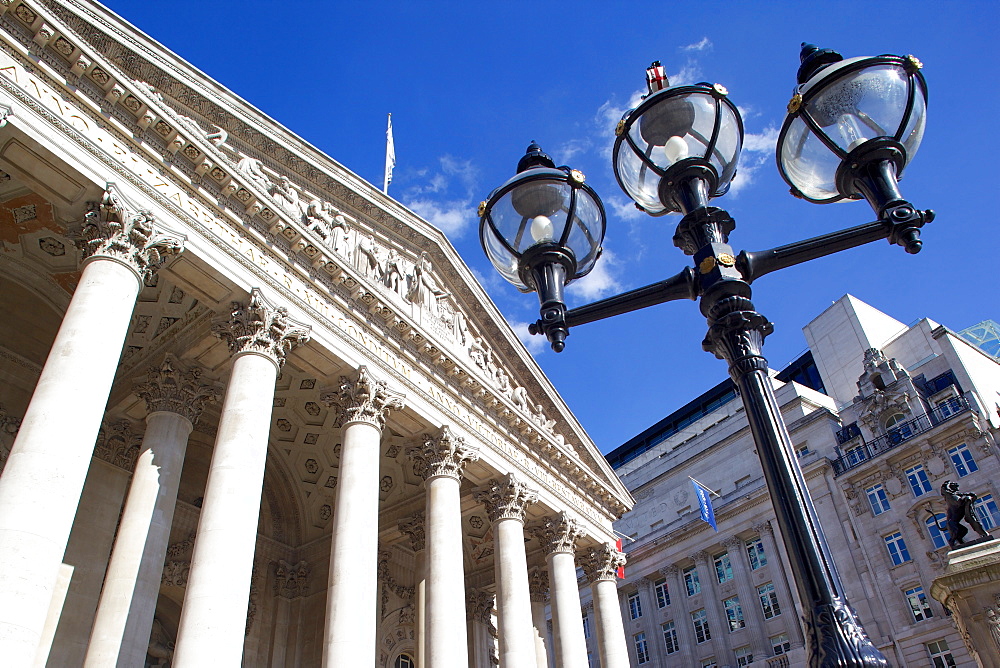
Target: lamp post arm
(754, 264)
(680, 286)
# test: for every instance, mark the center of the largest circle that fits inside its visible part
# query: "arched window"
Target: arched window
(898, 428)
(939, 535)
(404, 661)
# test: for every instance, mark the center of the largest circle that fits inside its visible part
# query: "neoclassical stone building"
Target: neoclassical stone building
(252, 410)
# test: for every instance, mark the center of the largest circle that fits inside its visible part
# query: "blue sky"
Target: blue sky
(469, 85)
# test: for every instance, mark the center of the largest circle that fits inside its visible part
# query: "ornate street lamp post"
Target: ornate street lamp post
(852, 127)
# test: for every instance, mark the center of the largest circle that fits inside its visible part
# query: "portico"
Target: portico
(321, 438)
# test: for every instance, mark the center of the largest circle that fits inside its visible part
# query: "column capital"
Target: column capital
(118, 443)
(442, 455)
(602, 563)
(260, 327)
(538, 585)
(114, 229)
(291, 580)
(481, 605)
(701, 557)
(505, 498)
(733, 543)
(413, 526)
(763, 528)
(171, 386)
(557, 534)
(669, 571)
(363, 398)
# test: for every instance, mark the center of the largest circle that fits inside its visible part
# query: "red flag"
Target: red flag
(621, 569)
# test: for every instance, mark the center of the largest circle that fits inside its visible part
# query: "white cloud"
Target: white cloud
(763, 142)
(623, 208)
(452, 217)
(599, 282)
(702, 45)
(757, 151)
(689, 73)
(535, 343)
(566, 153)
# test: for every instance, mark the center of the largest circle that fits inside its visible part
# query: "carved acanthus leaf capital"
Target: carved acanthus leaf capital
(506, 498)
(557, 534)
(413, 526)
(480, 606)
(602, 563)
(259, 327)
(175, 388)
(112, 228)
(118, 443)
(291, 580)
(669, 572)
(763, 528)
(538, 584)
(733, 543)
(363, 399)
(442, 455)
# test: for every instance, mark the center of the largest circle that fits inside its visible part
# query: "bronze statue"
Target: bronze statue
(960, 508)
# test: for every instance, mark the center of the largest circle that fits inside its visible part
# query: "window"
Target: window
(897, 428)
(779, 644)
(586, 626)
(641, 651)
(404, 661)
(755, 553)
(855, 455)
(700, 621)
(734, 613)
(709, 663)
(662, 593)
(919, 607)
(938, 535)
(896, 546)
(744, 656)
(878, 499)
(723, 569)
(918, 480)
(986, 511)
(948, 407)
(634, 606)
(802, 451)
(670, 637)
(691, 581)
(940, 654)
(768, 600)
(963, 461)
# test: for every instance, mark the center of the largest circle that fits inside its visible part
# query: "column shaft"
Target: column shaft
(213, 619)
(128, 601)
(517, 647)
(538, 622)
(567, 622)
(681, 617)
(45, 472)
(445, 575)
(610, 628)
(420, 605)
(352, 589)
(748, 598)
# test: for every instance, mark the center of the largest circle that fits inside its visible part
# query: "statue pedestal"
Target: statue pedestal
(970, 589)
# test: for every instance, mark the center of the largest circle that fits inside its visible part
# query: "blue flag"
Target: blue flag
(705, 503)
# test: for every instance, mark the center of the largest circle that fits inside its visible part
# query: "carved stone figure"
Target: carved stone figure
(424, 290)
(393, 277)
(993, 619)
(253, 170)
(960, 508)
(218, 136)
(367, 259)
(286, 197)
(327, 223)
(161, 647)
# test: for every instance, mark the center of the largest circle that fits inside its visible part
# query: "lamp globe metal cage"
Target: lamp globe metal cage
(679, 147)
(852, 127)
(543, 229)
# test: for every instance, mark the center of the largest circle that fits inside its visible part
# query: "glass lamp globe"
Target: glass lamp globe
(675, 135)
(847, 115)
(542, 216)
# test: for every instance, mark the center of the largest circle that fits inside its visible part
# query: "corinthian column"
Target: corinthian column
(175, 398)
(538, 589)
(505, 501)
(213, 619)
(600, 566)
(413, 526)
(352, 588)
(558, 536)
(45, 472)
(441, 460)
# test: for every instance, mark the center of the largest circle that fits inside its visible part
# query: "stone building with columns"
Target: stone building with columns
(881, 415)
(252, 411)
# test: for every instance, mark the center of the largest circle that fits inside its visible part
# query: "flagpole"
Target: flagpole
(390, 156)
(707, 488)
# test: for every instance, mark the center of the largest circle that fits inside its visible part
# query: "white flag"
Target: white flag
(390, 156)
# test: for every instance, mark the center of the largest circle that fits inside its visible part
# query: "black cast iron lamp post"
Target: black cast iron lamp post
(853, 126)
